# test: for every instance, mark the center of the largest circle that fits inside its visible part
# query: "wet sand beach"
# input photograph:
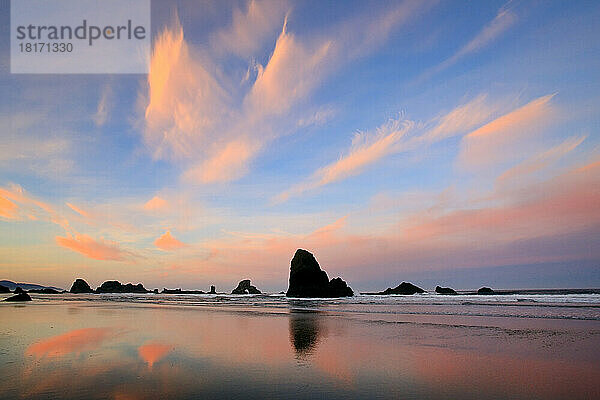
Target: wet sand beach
(137, 347)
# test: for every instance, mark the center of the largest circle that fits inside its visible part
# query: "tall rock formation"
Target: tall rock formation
(307, 279)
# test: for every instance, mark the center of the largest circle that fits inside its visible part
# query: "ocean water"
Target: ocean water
(128, 346)
(554, 306)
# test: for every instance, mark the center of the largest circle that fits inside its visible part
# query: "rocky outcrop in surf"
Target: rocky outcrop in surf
(118, 287)
(4, 289)
(19, 297)
(244, 287)
(307, 279)
(444, 290)
(405, 288)
(81, 286)
(485, 290)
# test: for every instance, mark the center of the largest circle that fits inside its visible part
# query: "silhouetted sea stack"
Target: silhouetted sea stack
(19, 297)
(403, 288)
(307, 279)
(19, 290)
(444, 290)
(485, 290)
(81, 286)
(118, 287)
(244, 287)
(213, 290)
(4, 289)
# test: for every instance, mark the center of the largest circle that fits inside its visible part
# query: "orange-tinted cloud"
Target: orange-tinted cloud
(226, 165)
(185, 101)
(76, 341)
(191, 114)
(27, 207)
(249, 29)
(8, 209)
(460, 119)
(168, 242)
(291, 73)
(366, 150)
(156, 204)
(153, 352)
(506, 136)
(95, 249)
(78, 210)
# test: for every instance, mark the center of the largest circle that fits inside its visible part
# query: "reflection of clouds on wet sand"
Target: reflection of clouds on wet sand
(153, 352)
(185, 352)
(73, 342)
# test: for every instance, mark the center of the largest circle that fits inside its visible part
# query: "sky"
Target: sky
(441, 142)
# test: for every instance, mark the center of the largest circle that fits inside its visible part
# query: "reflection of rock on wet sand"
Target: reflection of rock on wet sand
(306, 330)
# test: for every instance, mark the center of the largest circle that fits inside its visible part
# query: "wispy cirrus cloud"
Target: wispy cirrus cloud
(542, 159)
(393, 137)
(212, 124)
(78, 210)
(508, 136)
(366, 149)
(250, 28)
(490, 32)
(104, 106)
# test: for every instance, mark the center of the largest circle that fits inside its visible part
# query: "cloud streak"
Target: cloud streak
(506, 137)
(95, 249)
(489, 33)
(366, 150)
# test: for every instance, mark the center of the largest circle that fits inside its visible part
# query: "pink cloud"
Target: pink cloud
(156, 204)
(168, 243)
(556, 220)
(192, 116)
(250, 28)
(506, 137)
(185, 102)
(226, 165)
(8, 209)
(542, 159)
(95, 249)
(366, 150)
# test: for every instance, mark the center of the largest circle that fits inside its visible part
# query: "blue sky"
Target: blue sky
(394, 140)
